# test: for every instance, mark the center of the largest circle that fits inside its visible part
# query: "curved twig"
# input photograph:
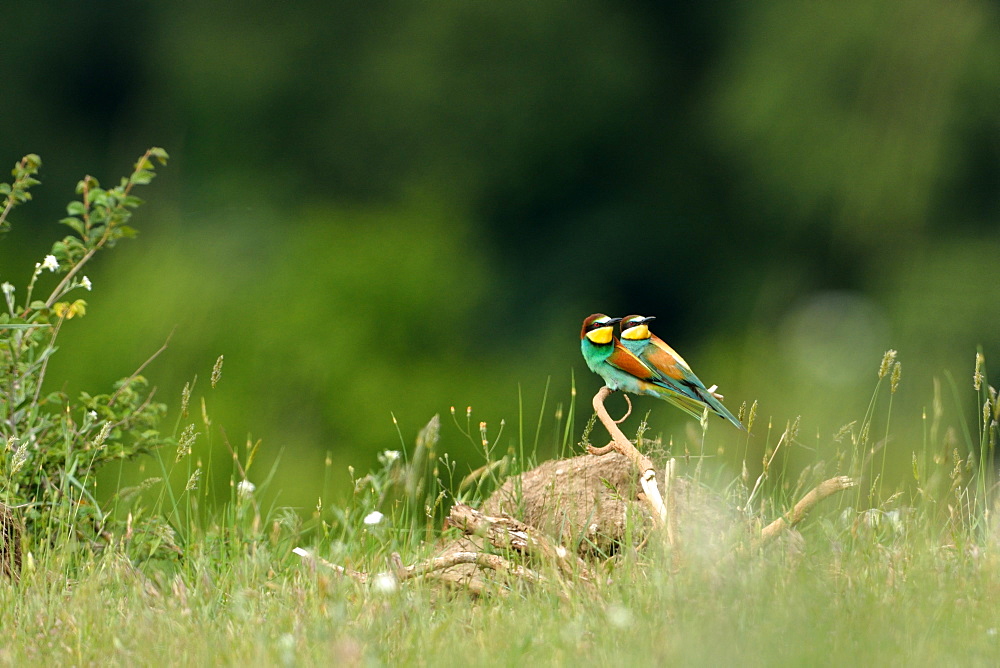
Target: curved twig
(627, 413)
(600, 452)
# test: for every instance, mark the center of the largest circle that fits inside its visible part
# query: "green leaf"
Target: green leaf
(142, 177)
(76, 209)
(32, 162)
(87, 183)
(75, 223)
(160, 155)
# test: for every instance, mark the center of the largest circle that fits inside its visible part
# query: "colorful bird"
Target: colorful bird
(687, 392)
(622, 370)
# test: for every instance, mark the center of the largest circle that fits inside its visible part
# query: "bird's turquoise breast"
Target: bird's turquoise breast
(594, 355)
(635, 347)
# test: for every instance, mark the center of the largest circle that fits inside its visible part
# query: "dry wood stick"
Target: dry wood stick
(802, 508)
(620, 443)
(420, 569)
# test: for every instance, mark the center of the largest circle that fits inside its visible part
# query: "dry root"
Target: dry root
(503, 533)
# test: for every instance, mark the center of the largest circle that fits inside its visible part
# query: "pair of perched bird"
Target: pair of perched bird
(640, 362)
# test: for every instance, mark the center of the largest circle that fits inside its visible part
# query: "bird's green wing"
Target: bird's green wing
(625, 361)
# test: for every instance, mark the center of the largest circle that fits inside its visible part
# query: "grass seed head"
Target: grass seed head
(19, 459)
(102, 435)
(844, 431)
(217, 371)
(752, 416)
(185, 399)
(887, 360)
(185, 442)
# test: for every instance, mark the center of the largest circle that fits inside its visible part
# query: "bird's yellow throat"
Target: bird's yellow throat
(602, 335)
(637, 333)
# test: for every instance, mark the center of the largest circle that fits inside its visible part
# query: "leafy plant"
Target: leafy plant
(53, 444)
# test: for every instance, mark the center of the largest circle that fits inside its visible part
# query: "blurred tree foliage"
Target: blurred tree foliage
(398, 206)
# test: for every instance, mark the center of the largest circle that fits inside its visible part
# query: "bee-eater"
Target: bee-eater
(620, 369)
(688, 392)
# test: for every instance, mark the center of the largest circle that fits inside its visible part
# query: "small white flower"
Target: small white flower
(245, 488)
(373, 518)
(7, 288)
(391, 455)
(50, 263)
(92, 415)
(384, 583)
(85, 282)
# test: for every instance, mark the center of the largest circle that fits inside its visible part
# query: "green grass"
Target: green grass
(908, 578)
(905, 603)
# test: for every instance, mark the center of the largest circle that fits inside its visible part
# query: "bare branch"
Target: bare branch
(802, 508)
(647, 475)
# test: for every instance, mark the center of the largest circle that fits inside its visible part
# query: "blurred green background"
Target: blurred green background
(392, 208)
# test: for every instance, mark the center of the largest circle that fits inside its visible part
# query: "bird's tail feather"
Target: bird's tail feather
(689, 405)
(695, 406)
(719, 409)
